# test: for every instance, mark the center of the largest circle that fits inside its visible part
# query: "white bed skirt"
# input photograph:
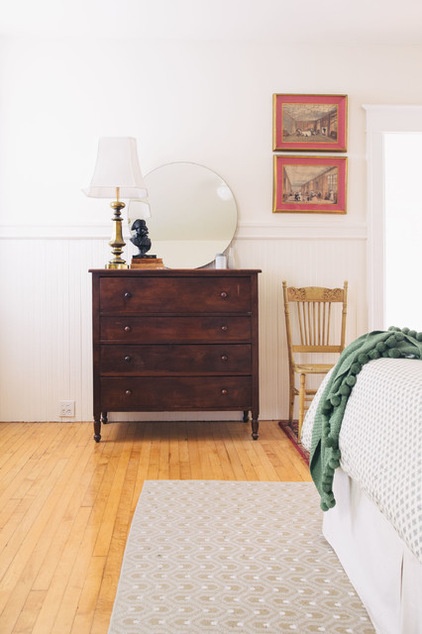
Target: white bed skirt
(384, 572)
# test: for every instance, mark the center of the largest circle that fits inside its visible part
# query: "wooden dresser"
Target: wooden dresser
(175, 340)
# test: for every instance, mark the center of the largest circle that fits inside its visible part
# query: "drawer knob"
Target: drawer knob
(224, 357)
(128, 358)
(127, 329)
(224, 392)
(224, 328)
(127, 295)
(224, 294)
(128, 392)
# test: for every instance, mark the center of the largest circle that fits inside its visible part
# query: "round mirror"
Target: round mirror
(193, 214)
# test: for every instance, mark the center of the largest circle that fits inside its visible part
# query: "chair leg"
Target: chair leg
(302, 391)
(291, 395)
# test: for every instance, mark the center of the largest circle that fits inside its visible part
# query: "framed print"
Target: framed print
(304, 184)
(316, 123)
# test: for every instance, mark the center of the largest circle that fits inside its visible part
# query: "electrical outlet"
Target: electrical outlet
(67, 408)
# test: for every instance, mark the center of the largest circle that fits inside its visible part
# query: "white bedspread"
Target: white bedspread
(381, 441)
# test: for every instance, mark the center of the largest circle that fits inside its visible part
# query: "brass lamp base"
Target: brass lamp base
(116, 265)
(117, 243)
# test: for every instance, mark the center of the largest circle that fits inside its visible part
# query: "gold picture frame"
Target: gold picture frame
(309, 123)
(305, 184)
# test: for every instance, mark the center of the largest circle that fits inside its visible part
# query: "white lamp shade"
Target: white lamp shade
(138, 209)
(117, 166)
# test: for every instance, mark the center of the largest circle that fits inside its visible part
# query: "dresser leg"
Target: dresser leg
(246, 416)
(97, 430)
(255, 427)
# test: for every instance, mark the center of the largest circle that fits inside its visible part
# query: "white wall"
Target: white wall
(208, 102)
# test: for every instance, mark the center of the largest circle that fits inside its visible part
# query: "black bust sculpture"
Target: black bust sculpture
(140, 238)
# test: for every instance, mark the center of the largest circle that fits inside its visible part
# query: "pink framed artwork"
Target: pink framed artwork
(313, 123)
(305, 184)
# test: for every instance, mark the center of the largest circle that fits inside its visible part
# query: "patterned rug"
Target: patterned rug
(221, 557)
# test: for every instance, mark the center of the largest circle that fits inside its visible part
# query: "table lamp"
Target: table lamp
(117, 175)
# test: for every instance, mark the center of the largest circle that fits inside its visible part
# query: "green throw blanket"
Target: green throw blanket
(325, 453)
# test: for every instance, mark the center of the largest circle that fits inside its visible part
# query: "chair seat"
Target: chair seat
(313, 368)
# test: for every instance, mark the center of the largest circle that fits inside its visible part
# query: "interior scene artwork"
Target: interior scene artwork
(310, 122)
(304, 184)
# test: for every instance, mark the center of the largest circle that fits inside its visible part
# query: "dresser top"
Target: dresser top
(175, 272)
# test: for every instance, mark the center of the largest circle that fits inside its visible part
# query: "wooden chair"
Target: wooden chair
(315, 328)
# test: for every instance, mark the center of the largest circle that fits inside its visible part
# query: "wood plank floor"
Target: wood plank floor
(66, 504)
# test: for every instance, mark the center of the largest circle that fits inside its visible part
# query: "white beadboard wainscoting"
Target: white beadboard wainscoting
(45, 335)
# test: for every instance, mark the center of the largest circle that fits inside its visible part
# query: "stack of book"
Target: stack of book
(147, 263)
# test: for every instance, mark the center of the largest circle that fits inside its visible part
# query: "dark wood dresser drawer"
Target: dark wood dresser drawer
(153, 360)
(177, 393)
(216, 295)
(161, 329)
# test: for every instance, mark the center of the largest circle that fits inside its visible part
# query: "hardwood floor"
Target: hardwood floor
(66, 505)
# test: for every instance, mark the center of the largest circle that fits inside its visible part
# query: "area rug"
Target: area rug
(291, 429)
(222, 557)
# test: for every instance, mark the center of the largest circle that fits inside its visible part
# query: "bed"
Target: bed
(375, 520)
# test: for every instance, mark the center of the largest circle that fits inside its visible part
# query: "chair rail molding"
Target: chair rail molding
(54, 232)
(287, 230)
(307, 230)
